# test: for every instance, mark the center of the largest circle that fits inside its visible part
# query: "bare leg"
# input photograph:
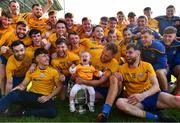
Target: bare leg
(162, 79)
(114, 88)
(166, 100)
(2, 78)
(135, 110)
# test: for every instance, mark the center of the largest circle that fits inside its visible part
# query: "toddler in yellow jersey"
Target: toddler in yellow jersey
(85, 71)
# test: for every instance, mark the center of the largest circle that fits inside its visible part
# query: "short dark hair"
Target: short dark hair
(23, 23)
(12, 1)
(142, 17)
(34, 31)
(40, 51)
(85, 19)
(127, 29)
(112, 46)
(131, 14)
(170, 6)
(132, 45)
(16, 43)
(104, 18)
(120, 13)
(72, 33)
(170, 30)
(36, 4)
(68, 15)
(61, 21)
(113, 19)
(52, 12)
(60, 41)
(147, 9)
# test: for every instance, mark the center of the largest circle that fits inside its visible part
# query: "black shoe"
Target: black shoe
(102, 117)
(163, 117)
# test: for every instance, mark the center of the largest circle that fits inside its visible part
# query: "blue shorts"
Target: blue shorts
(17, 81)
(102, 90)
(3, 60)
(150, 103)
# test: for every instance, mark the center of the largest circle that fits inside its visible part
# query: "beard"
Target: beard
(21, 36)
(38, 14)
(131, 61)
(19, 57)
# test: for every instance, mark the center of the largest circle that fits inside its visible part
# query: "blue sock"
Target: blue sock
(107, 108)
(151, 116)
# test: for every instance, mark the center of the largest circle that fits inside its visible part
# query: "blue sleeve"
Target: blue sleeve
(161, 58)
(161, 62)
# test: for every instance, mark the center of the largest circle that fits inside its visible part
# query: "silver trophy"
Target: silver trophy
(81, 101)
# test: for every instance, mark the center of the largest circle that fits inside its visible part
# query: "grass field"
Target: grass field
(65, 116)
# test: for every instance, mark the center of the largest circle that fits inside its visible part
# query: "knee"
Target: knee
(121, 104)
(52, 113)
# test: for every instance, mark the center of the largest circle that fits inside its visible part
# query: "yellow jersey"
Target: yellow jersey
(33, 23)
(10, 37)
(15, 68)
(90, 44)
(43, 81)
(63, 63)
(78, 51)
(108, 68)
(86, 72)
(136, 80)
(154, 24)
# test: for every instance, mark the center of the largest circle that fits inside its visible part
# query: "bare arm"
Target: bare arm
(98, 82)
(49, 4)
(9, 85)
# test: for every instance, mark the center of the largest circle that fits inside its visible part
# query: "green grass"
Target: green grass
(65, 116)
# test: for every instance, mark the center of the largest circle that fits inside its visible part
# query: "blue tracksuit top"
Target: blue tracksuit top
(154, 54)
(165, 22)
(173, 53)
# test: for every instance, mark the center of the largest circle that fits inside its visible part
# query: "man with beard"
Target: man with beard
(17, 65)
(35, 19)
(45, 85)
(19, 34)
(107, 86)
(141, 92)
(62, 60)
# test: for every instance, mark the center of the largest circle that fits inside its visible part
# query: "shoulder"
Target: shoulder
(158, 46)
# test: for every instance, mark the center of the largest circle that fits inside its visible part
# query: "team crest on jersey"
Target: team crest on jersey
(42, 75)
(141, 75)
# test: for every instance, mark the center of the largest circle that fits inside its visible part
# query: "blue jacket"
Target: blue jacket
(173, 53)
(154, 54)
(164, 22)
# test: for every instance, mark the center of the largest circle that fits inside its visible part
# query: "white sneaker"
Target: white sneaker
(72, 108)
(91, 107)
